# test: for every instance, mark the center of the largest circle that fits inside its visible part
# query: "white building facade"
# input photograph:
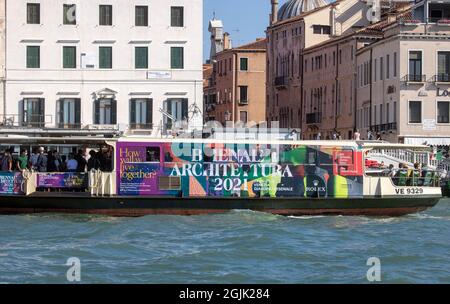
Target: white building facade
(99, 66)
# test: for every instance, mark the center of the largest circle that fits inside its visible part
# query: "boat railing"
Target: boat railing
(403, 156)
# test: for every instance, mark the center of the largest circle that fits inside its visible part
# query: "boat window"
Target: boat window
(153, 154)
(169, 183)
(168, 157)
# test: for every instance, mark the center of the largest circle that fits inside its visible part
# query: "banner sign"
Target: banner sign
(250, 170)
(137, 176)
(11, 183)
(62, 180)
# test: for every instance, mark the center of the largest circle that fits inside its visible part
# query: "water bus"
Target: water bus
(138, 176)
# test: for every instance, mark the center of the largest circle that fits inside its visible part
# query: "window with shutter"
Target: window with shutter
(177, 58)
(105, 15)
(33, 13)
(69, 57)
(141, 57)
(177, 16)
(141, 17)
(105, 57)
(69, 14)
(33, 57)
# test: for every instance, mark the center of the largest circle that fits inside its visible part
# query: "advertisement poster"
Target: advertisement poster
(138, 170)
(218, 170)
(11, 183)
(62, 180)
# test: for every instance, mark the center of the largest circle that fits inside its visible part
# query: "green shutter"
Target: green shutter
(69, 57)
(177, 16)
(33, 57)
(105, 58)
(149, 120)
(113, 112)
(133, 111)
(244, 64)
(141, 54)
(97, 112)
(177, 58)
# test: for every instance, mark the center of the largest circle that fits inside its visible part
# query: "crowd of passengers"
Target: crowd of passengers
(420, 175)
(51, 161)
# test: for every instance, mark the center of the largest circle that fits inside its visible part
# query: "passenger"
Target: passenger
(7, 161)
(58, 160)
(81, 161)
(401, 176)
(392, 171)
(370, 135)
(33, 159)
(63, 164)
(93, 162)
(41, 162)
(414, 176)
(72, 164)
(379, 136)
(22, 160)
(51, 165)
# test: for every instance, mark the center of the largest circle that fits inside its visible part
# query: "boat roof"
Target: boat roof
(367, 145)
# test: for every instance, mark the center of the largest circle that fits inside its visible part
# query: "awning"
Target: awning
(429, 141)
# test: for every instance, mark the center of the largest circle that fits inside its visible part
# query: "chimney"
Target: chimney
(274, 14)
(391, 17)
(227, 41)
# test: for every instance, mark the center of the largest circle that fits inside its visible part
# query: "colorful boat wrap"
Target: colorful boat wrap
(181, 169)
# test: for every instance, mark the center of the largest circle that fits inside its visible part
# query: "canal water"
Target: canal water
(237, 247)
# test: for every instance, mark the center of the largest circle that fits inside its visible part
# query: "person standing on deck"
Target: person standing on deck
(7, 162)
(41, 163)
(72, 164)
(22, 160)
(81, 162)
(357, 135)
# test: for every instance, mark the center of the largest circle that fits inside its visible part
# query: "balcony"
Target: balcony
(141, 126)
(25, 121)
(75, 126)
(415, 79)
(313, 118)
(441, 78)
(281, 82)
(385, 127)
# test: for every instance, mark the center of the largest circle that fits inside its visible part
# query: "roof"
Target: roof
(294, 8)
(260, 45)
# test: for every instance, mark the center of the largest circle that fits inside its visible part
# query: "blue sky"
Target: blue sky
(245, 20)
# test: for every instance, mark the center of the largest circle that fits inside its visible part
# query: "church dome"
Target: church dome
(294, 8)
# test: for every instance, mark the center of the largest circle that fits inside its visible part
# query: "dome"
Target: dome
(294, 8)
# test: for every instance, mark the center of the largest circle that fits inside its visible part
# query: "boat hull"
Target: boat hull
(141, 206)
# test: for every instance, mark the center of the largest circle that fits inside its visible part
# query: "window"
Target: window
(178, 108)
(388, 67)
(69, 14)
(415, 112)
(415, 65)
(33, 57)
(375, 70)
(68, 110)
(106, 15)
(177, 58)
(381, 68)
(33, 110)
(244, 64)
(443, 111)
(443, 67)
(395, 65)
(141, 15)
(105, 58)
(243, 93)
(69, 57)
(141, 57)
(141, 113)
(177, 16)
(321, 29)
(243, 116)
(153, 154)
(105, 111)
(33, 13)
(169, 183)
